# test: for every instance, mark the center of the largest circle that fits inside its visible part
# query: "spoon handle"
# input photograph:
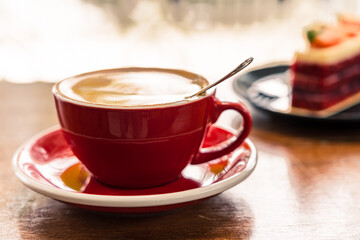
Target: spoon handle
(236, 70)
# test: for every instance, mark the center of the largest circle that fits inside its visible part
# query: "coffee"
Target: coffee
(114, 124)
(135, 88)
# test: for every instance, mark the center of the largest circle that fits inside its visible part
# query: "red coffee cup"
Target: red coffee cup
(140, 147)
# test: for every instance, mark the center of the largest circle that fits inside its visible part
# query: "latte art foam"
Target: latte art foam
(131, 89)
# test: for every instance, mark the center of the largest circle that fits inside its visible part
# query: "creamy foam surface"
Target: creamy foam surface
(131, 89)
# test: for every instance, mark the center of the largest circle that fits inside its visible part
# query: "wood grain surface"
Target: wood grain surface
(306, 185)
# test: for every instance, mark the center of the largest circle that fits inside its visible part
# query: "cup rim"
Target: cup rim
(57, 93)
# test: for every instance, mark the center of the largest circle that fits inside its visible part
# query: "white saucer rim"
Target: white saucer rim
(97, 200)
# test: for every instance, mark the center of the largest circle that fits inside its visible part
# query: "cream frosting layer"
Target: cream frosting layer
(330, 55)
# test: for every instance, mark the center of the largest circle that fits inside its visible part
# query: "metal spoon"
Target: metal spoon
(236, 70)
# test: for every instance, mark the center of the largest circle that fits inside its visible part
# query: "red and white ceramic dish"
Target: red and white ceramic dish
(46, 165)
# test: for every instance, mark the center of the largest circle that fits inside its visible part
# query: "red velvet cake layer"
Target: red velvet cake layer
(324, 70)
(306, 77)
(321, 100)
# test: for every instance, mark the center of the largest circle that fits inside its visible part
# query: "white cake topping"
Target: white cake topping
(330, 55)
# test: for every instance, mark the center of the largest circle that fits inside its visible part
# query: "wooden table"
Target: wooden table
(306, 186)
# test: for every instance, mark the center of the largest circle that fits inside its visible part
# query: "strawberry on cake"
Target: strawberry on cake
(326, 77)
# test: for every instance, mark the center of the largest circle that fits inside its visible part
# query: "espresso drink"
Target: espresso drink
(134, 88)
(130, 128)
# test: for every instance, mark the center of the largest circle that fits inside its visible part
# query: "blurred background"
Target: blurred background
(44, 40)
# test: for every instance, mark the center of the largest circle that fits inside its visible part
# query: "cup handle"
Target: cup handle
(207, 155)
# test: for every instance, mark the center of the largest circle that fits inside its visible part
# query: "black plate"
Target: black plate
(268, 89)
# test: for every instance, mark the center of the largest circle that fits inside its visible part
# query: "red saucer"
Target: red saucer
(47, 165)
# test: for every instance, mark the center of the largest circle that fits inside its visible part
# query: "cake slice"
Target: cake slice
(326, 76)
